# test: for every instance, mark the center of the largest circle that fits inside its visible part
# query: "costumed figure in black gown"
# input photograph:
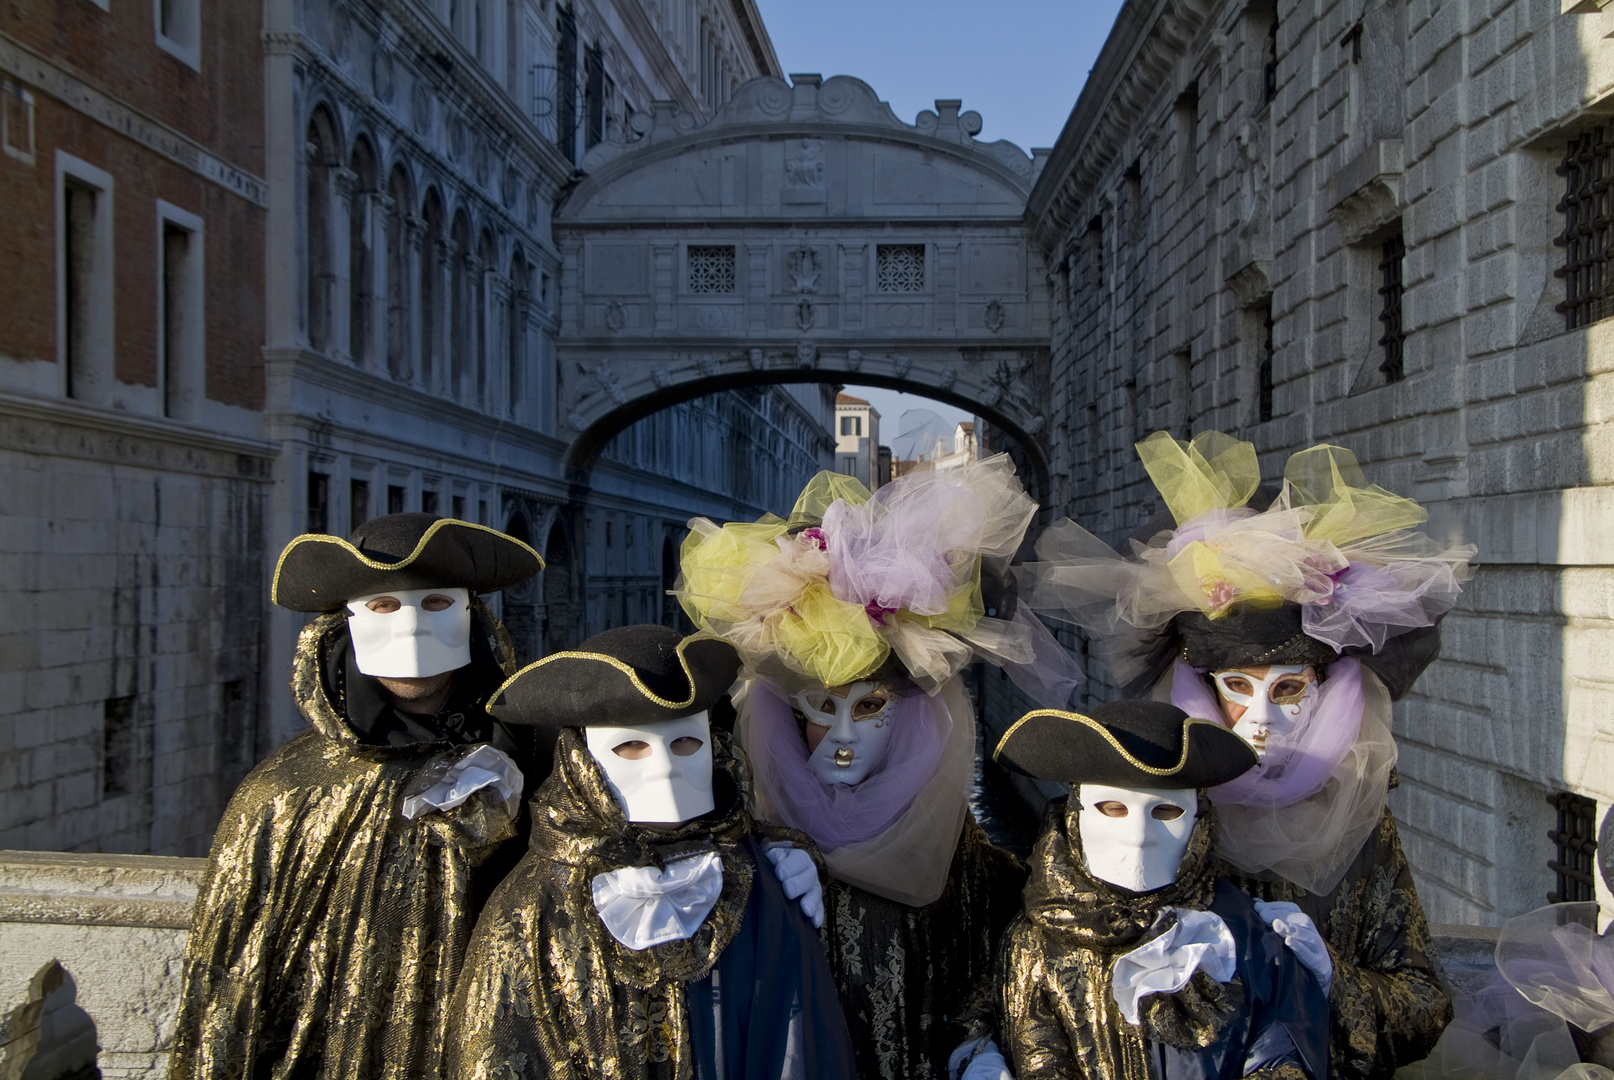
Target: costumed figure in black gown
(653, 930)
(344, 877)
(854, 617)
(1297, 625)
(1133, 959)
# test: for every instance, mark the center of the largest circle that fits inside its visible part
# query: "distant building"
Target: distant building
(857, 439)
(962, 449)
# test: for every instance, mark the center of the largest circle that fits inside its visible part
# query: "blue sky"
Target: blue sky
(1019, 63)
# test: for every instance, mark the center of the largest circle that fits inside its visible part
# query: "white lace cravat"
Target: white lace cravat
(1200, 939)
(644, 907)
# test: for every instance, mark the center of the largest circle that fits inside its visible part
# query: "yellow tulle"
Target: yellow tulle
(824, 489)
(718, 564)
(1215, 583)
(831, 640)
(1213, 472)
(1344, 506)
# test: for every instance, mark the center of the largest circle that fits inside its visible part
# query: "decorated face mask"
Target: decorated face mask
(1267, 709)
(847, 730)
(661, 773)
(411, 633)
(1135, 837)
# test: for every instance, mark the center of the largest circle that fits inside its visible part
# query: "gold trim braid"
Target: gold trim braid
(1104, 732)
(420, 546)
(626, 669)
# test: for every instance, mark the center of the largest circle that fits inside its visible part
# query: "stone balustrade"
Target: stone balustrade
(91, 949)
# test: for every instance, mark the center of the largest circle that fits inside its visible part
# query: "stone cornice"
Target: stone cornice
(98, 890)
(756, 36)
(1147, 40)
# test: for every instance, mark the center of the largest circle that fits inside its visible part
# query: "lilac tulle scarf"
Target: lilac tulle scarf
(835, 815)
(1294, 768)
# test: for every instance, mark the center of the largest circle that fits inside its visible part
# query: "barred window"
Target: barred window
(1588, 172)
(1269, 65)
(1576, 841)
(711, 269)
(1391, 256)
(899, 267)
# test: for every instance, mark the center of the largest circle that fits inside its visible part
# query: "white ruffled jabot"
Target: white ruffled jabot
(1200, 939)
(644, 907)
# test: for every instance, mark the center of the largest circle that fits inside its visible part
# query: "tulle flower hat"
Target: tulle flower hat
(857, 585)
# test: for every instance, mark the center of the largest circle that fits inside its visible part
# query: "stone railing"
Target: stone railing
(90, 952)
(91, 945)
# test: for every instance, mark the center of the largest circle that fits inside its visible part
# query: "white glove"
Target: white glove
(480, 767)
(979, 1060)
(799, 876)
(1301, 935)
(1198, 940)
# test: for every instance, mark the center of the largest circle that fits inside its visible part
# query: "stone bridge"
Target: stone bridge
(804, 234)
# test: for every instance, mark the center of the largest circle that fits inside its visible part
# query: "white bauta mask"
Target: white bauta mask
(411, 633)
(1266, 710)
(1136, 837)
(661, 773)
(853, 723)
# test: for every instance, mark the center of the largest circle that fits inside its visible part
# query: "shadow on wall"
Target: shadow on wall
(48, 1037)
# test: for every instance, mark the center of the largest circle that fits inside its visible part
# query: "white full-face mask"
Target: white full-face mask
(1136, 837)
(411, 633)
(1266, 710)
(854, 723)
(661, 773)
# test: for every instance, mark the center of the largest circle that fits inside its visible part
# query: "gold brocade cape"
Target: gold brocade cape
(548, 992)
(328, 933)
(1388, 1002)
(904, 974)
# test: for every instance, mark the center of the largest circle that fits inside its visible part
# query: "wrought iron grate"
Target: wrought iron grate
(1588, 172)
(711, 269)
(1269, 69)
(1391, 256)
(899, 268)
(1576, 841)
(1263, 372)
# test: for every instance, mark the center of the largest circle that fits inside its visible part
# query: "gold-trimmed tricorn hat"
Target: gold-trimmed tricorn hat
(1129, 744)
(623, 677)
(320, 572)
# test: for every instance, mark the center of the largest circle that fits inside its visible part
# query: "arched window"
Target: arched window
(433, 249)
(401, 198)
(321, 272)
(361, 253)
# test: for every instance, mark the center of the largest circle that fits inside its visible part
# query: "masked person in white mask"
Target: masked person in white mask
(653, 929)
(1133, 961)
(348, 869)
(1295, 617)
(855, 617)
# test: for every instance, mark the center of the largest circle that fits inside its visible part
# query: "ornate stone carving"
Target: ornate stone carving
(381, 74)
(1251, 281)
(854, 359)
(420, 108)
(609, 382)
(804, 163)
(707, 364)
(758, 360)
(803, 270)
(1365, 196)
(616, 316)
(663, 378)
(949, 376)
(806, 354)
(805, 314)
(995, 315)
(900, 365)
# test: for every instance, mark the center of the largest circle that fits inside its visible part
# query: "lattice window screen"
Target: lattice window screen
(1588, 236)
(899, 268)
(711, 269)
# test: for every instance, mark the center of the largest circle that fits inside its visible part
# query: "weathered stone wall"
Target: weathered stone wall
(1184, 208)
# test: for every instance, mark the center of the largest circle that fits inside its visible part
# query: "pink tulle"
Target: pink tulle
(1294, 768)
(835, 815)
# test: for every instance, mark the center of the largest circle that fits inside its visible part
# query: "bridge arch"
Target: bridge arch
(803, 234)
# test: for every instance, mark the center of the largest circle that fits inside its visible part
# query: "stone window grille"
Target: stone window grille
(1588, 236)
(1269, 66)
(1576, 842)
(1095, 246)
(1391, 256)
(711, 269)
(899, 268)
(1263, 370)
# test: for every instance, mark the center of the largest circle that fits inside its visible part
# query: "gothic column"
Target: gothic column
(341, 341)
(441, 375)
(499, 393)
(379, 208)
(415, 346)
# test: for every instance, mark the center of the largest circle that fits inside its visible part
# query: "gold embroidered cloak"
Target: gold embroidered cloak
(548, 993)
(905, 974)
(328, 933)
(1388, 1001)
(1056, 1012)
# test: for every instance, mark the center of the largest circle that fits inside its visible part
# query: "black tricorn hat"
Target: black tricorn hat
(1130, 744)
(622, 677)
(319, 572)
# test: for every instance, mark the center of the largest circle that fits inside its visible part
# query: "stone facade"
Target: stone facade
(1225, 216)
(135, 477)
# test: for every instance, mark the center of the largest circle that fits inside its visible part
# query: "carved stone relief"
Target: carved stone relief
(802, 267)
